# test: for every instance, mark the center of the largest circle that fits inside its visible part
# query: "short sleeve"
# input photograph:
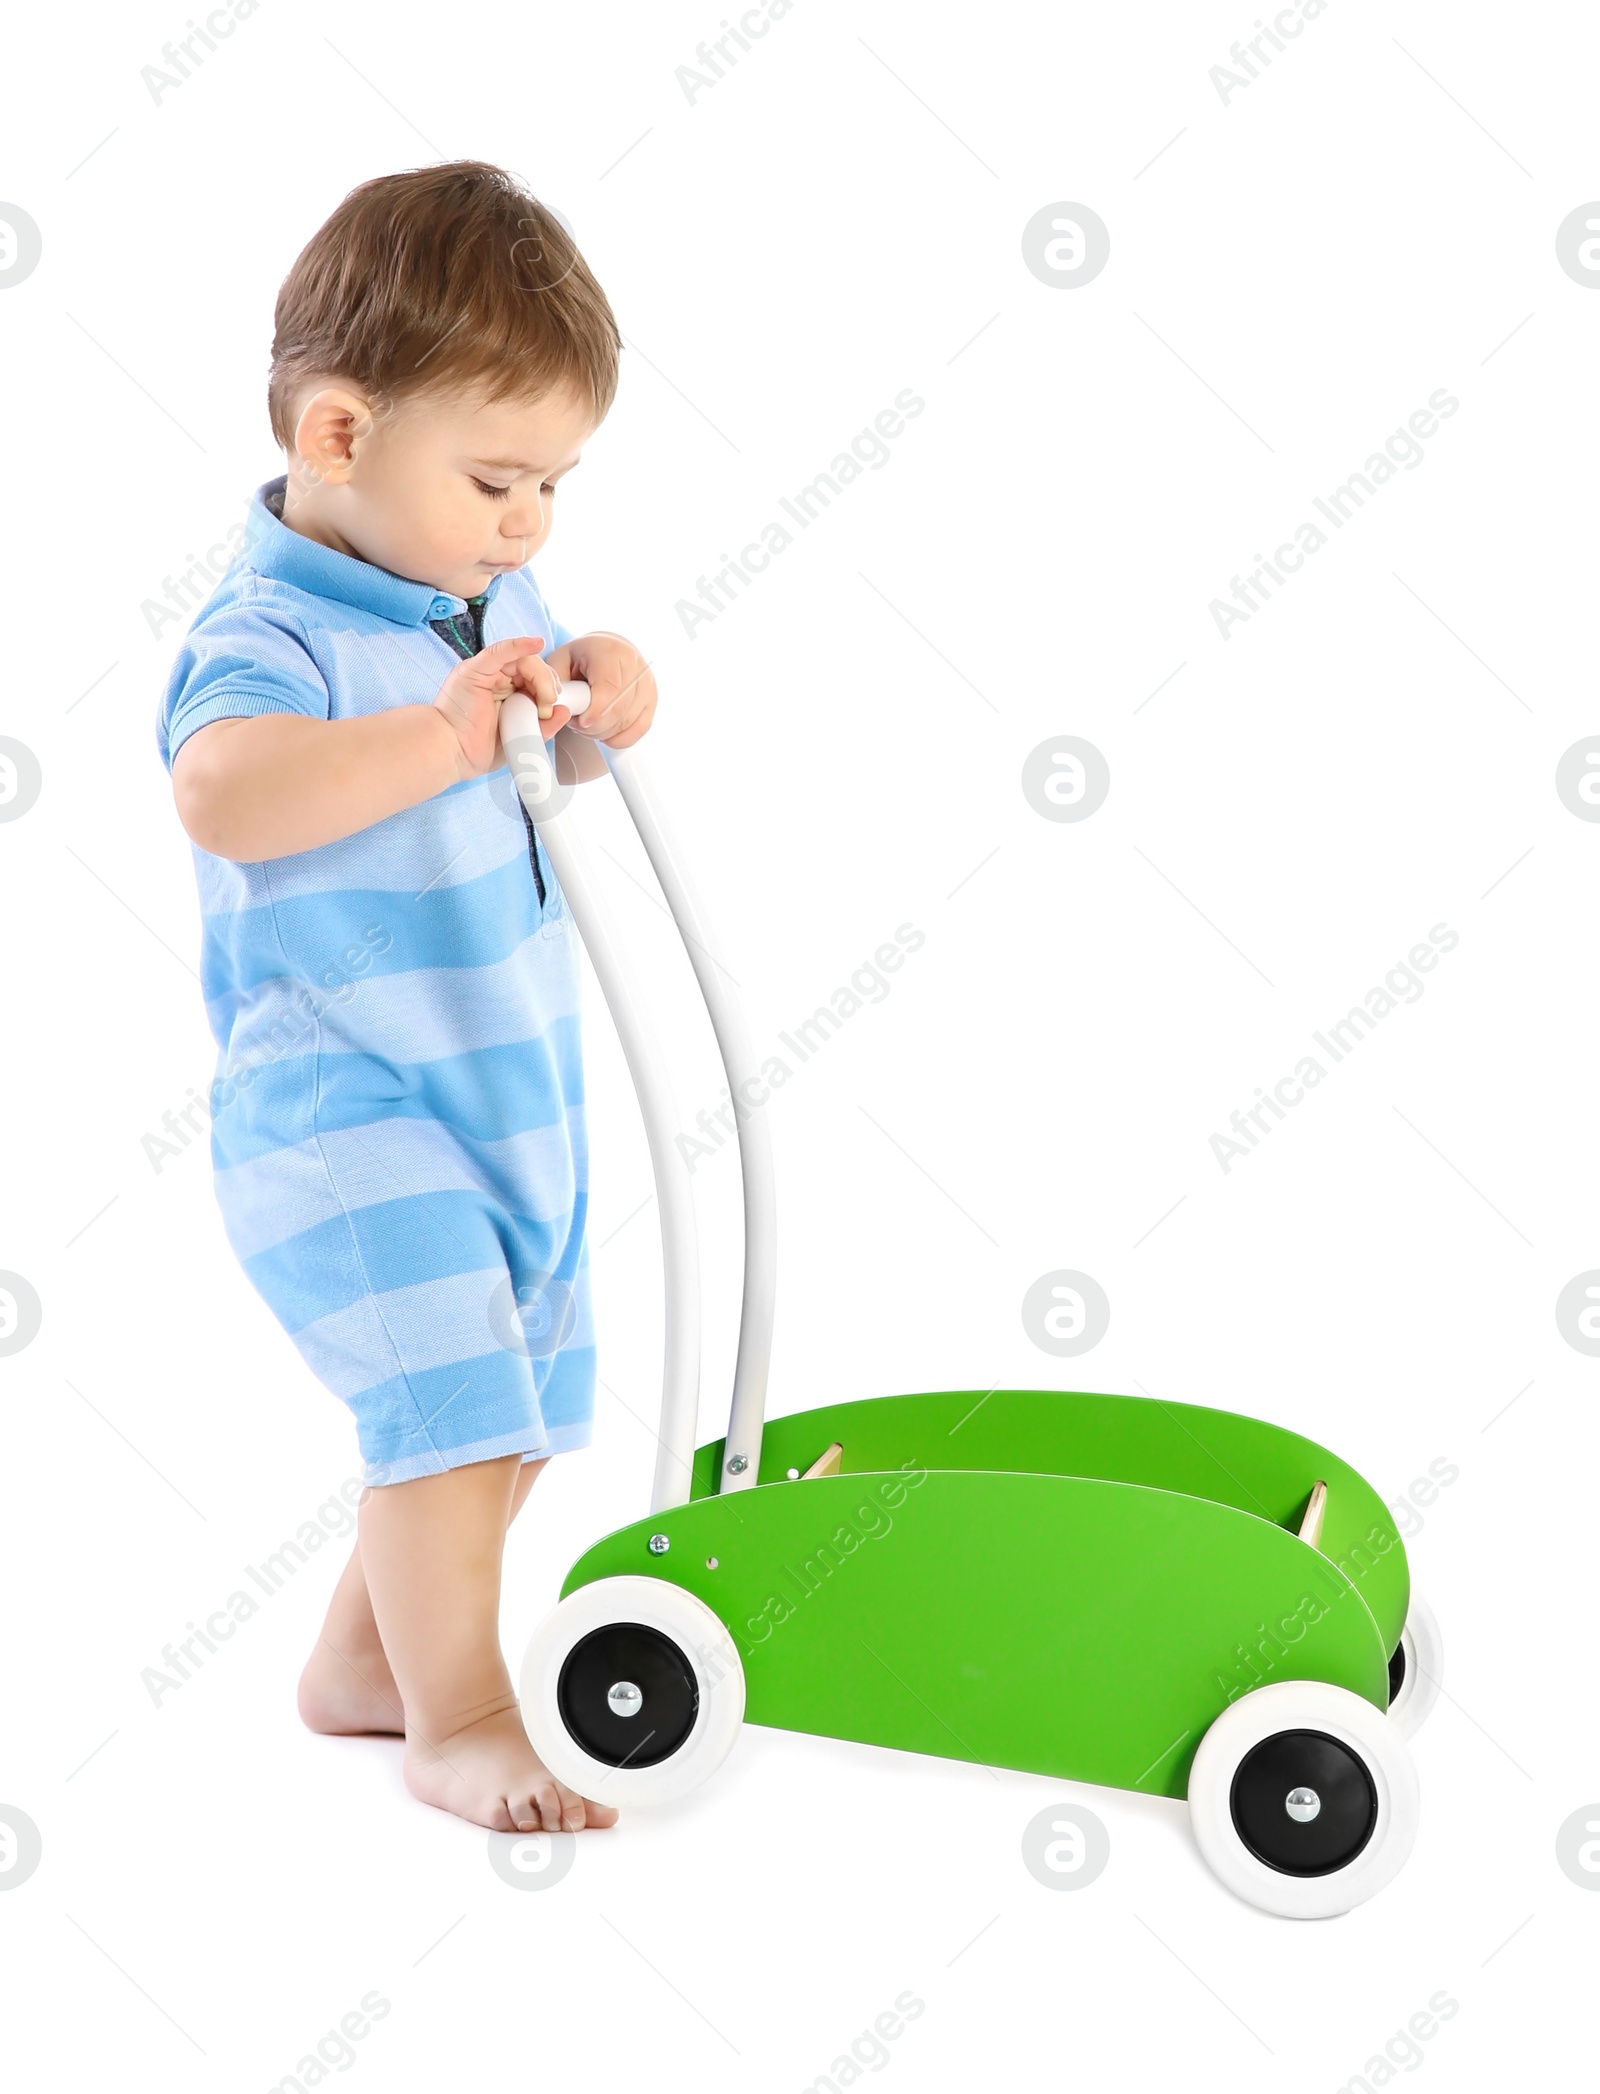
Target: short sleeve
(243, 660)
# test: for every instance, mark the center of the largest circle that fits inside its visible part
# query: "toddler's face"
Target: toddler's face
(446, 492)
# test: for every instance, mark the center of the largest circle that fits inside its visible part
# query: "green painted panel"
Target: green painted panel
(1061, 1624)
(1259, 1468)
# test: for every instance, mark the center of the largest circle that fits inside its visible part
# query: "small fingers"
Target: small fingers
(499, 659)
(502, 650)
(625, 737)
(529, 673)
(618, 717)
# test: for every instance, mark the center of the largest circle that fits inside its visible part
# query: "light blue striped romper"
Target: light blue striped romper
(398, 1115)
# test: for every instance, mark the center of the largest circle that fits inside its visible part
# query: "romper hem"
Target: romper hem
(559, 1439)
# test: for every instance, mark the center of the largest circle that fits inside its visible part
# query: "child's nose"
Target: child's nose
(525, 520)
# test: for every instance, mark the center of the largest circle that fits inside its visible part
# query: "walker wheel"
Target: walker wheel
(617, 1679)
(1303, 1799)
(1416, 1669)
(632, 1691)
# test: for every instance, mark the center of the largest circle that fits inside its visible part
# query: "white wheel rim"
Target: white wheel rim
(1423, 1643)
(704, 1643)
(1354, 1723)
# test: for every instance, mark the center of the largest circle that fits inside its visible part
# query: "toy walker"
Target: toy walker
(1115, 1589)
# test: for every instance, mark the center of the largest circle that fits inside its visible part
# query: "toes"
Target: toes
(549, 1807)
(547, 1801)
(563, 1810)
(523, 1806)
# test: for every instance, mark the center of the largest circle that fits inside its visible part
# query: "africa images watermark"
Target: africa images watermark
(868, 1519)
(286, 1035)
(1403, 450)
(866, 985)
(1275, 35)
(335, 1520)
(183, 58)
(180, 599)
(869, 452)
(1400, 985)
(870, 2049)
(716, 57)
(335, 2049)
(184, 595)
(1404, 2047)
(1252, 1662)
(1423, 1492)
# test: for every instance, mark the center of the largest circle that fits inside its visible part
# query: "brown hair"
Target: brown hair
(437, 281)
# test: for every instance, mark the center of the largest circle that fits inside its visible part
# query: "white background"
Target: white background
(1371, 754)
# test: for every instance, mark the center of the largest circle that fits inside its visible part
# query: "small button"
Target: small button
(441, 607)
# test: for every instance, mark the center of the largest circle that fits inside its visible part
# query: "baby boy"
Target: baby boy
(389, 968)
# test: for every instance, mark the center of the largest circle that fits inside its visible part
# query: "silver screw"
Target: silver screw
(1302, 1805)
(738, 1465)
(659, 1544)
(625, 1699)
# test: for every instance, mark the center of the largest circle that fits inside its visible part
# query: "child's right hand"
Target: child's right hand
(472, 694)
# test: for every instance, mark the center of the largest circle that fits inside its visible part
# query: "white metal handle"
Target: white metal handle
(741, 1452)
(534, 773)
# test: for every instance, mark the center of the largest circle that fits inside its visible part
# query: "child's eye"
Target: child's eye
(495, 494)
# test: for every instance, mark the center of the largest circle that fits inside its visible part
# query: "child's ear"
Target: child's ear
(332, 425)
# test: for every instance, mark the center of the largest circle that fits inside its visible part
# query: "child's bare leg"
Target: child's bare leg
(348, 1687)
(431, 1550)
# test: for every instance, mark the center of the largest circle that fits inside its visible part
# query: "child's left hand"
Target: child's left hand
(622, 688)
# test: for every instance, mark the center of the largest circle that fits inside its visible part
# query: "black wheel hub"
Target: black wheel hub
(1299, 1761)
(663, 1715)
(1397, 1671)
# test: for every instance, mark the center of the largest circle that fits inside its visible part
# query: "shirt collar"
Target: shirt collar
(289, 556)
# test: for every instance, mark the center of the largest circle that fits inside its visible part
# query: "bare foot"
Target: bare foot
(489, 1773)
(350, 1695)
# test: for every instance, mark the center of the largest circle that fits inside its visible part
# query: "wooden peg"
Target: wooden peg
(826, 1463)
(1316, 1506)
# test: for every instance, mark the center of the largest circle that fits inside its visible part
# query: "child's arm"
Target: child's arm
(263, 787)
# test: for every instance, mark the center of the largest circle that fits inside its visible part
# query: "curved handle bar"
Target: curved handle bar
(549, 808)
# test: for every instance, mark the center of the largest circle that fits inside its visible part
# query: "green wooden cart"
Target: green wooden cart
(1112, 1589)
